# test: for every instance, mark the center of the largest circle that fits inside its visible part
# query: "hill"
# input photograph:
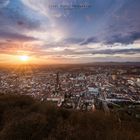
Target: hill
(24, 118)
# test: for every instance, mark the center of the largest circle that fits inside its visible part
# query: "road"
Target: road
(104, 103)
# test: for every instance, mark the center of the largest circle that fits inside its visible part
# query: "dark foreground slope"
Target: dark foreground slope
(23, 118)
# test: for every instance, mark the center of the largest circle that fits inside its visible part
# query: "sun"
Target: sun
(24, 58)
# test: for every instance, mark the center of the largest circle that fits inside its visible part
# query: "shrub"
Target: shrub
(24, 118)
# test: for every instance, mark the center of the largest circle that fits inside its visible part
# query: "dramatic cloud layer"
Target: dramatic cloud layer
(74, 30)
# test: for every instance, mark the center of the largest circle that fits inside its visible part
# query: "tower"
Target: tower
(57, 84)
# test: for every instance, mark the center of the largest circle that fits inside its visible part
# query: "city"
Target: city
(69, 70)
(83, 87)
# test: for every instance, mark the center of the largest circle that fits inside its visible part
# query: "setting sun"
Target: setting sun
(24, 58)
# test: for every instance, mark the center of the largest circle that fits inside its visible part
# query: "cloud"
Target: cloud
(117, 51)
(17, 16)
(15, 37)
(84, 52)
(123, 25)
(4, 3)
(104, 52)
(123, 39)
(89, 40)
(17, 20)
(73, 40)
(113, 21)
(73, 33)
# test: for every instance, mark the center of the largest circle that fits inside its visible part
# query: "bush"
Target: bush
(23, 118)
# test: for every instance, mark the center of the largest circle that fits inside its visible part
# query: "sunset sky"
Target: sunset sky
(48, 32)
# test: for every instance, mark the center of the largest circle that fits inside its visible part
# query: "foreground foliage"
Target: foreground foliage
(23, 118)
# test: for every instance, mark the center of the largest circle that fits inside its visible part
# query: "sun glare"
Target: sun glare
(24, 58)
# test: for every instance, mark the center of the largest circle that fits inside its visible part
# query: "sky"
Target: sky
(70, 31)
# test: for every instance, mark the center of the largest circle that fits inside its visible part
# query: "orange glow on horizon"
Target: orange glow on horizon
(24, 58)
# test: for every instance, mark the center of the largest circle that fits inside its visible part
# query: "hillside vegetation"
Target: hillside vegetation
(24, 118)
